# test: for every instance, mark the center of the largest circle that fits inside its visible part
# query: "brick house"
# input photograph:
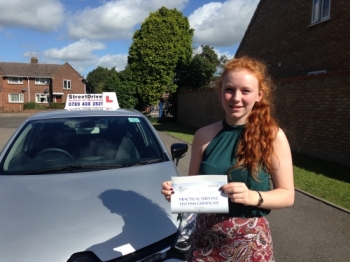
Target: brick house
(299, 39)
(306, 46)
(40, 83)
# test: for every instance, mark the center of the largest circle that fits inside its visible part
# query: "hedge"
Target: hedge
(32, 105)
(57, 105)
(36, 106)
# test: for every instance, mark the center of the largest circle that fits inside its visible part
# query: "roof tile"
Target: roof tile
(28, 69)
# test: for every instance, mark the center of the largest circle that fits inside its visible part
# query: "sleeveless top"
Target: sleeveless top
(219, 156)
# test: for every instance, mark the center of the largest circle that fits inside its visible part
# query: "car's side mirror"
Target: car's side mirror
(178, 150)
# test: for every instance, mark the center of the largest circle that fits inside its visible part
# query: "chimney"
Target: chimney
(34, 60)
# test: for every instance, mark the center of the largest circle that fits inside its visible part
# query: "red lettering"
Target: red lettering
(108, 100)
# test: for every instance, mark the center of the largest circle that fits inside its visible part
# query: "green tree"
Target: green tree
(223, 60)
(96, 80)
(200, 72)
(162, 43)
(109, 80)
(125, 87)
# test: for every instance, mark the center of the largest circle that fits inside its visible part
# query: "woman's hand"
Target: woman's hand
(167, 190)
(239, 193)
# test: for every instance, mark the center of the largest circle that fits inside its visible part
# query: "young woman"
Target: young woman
(249, 147)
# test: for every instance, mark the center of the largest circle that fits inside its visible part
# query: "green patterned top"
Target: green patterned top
(219, 156)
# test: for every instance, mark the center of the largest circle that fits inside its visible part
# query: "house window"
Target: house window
(321, 10)
(42, 98)
(16, 98)
(42, 81)
(66, 84)
(15, 80)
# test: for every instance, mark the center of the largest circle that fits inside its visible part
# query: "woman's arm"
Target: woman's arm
(282, 176)
(201, 140)
(196, 157)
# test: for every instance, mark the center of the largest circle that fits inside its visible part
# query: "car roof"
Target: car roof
(63, 113)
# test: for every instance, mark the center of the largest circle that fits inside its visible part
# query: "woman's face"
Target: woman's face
(239, 92)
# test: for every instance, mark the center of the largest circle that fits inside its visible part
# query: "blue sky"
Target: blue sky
(91, 33)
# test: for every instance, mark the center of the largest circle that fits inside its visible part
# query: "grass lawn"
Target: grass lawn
(327, 180)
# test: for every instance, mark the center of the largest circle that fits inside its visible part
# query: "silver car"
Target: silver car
(84, 186)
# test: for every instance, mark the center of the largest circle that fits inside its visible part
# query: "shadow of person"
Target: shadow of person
(144, 223)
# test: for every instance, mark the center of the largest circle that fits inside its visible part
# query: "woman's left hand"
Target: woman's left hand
(239, 193)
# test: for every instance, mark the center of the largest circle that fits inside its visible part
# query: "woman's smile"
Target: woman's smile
(236, 108)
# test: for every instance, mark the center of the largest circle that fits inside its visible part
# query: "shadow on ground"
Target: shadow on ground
(319, 166)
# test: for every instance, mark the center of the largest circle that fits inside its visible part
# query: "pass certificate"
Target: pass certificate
(199, 194)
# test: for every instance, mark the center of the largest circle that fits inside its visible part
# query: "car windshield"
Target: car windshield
(82, 144)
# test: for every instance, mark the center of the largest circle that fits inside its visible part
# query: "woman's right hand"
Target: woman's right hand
(167, 190)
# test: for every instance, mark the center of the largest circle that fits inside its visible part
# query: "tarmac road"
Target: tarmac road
(8, 125)
(310, 230)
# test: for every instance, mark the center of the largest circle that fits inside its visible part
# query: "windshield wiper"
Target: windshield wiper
(99, 166)
(146, 162)
(72, 167)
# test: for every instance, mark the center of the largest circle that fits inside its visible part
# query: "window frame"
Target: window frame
(65, 82)
(38, 81)
(39, 95)
(19, 80)
(319, 11)
(20, 97)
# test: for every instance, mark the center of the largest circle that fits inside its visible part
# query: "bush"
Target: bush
(32, 105)
(54, 105)
(35, 106)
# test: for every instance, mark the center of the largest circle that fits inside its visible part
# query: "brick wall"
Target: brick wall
(66, 72)
(313, 111)
(281, 34)
(33, 89)
(199, 107)
(15, 89)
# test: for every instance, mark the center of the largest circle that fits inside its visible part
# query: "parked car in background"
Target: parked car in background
(84, 185)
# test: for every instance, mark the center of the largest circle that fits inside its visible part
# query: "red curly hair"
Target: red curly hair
(256, 145)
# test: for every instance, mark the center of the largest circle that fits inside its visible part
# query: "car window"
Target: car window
(82, 142)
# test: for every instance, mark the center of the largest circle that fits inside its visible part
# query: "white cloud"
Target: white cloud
(42, 15)
(115, 19)
(30, 54)
(222, 24)
(118, 61)
(84, 67)
(81, 57)
(199, 50)
(78, 51)
(226, 53)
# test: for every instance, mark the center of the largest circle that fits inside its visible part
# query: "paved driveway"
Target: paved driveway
(8, 125)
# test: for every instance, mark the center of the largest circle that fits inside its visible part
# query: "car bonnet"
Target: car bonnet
(110, 212)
